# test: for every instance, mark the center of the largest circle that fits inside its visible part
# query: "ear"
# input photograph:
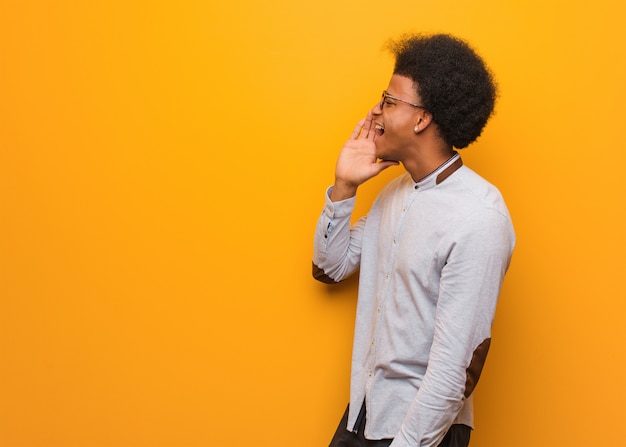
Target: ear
(423, 120)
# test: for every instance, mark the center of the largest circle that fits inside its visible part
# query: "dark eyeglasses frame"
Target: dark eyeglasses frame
(387, 95)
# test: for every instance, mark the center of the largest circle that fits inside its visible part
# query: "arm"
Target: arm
(469, 287)
(337, 247)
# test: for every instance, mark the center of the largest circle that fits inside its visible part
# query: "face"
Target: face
(395, 119)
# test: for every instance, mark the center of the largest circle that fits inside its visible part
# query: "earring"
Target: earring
(416, 129)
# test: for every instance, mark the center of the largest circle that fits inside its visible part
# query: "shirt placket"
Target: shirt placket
(386, 281)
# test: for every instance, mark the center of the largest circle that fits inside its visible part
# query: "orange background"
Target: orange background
(162, 166)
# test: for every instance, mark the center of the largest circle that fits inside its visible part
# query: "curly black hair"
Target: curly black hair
(453, 82)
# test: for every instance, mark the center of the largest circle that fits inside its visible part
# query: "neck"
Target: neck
(425, 162)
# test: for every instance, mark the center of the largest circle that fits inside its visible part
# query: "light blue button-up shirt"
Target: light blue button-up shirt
(432, 257)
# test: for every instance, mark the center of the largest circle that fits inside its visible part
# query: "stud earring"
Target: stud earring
(416, 129)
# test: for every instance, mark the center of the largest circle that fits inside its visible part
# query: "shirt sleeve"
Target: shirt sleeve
(470, 283)
(337, 245)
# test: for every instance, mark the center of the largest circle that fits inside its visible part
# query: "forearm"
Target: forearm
(432, 424)
(342, 190)
(336, 244)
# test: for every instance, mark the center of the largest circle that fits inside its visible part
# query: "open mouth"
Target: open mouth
(380, 130)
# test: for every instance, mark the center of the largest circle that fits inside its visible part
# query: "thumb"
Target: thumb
(384, 164)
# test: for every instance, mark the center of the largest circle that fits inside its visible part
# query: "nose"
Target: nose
(378, 108)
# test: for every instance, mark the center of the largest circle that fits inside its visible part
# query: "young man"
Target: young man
(432, 251)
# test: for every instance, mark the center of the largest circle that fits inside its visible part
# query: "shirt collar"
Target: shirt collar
(440, 174)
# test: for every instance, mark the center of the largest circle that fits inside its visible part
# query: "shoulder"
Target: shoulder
(477, 209)
(477, 195)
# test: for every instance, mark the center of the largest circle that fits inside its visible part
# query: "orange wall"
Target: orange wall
(162, 166)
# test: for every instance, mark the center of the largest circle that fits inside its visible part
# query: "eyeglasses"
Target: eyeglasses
(388, 96)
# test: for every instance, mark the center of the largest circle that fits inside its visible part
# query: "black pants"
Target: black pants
(457, 436)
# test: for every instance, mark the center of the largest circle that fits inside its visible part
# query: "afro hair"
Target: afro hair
(453, 82)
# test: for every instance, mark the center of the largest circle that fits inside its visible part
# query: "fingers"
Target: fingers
(367, 126)
(363, 128)
(357, 130)
(382, 165)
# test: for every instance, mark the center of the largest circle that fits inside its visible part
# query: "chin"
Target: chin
(382, 155)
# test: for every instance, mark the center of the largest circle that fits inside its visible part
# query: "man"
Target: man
(432, 251)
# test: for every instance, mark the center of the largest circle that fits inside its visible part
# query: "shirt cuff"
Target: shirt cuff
(340, 208)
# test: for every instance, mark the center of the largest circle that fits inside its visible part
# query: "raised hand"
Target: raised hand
(357, 161)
